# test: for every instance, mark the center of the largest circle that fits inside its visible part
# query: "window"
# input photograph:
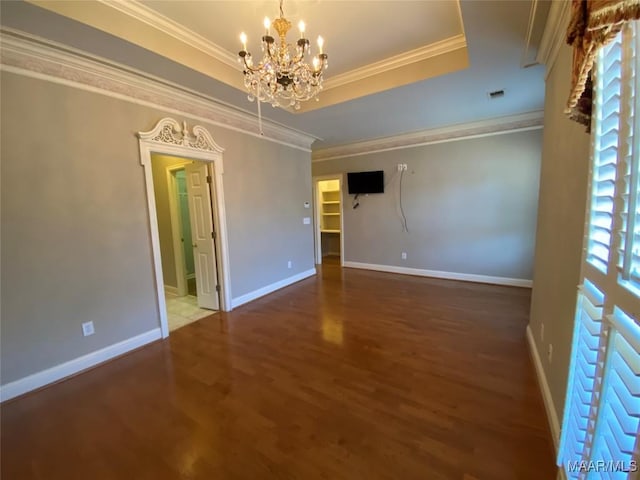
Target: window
(602, 408)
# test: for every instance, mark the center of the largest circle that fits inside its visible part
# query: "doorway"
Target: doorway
(329, 225)
(170, 137)
(184, 214)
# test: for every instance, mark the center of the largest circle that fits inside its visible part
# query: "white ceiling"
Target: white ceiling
(499, 36)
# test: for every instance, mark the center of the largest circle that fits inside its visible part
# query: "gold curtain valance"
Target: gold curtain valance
(593, 24)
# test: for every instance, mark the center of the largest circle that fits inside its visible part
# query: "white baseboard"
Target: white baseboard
(552, 415)
(261, 292)
(465, 277)
(53, 374)
(169, 290)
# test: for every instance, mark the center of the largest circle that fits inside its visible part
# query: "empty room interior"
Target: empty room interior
(320, 239)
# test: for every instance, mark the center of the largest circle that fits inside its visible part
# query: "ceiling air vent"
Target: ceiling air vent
(496, 94)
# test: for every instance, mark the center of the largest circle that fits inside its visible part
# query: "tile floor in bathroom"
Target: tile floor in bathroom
(184, 310)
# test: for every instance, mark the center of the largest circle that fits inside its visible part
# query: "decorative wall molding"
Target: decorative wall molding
(464, 277)
(77, 365)
(495, 126)
(554, 35)
(169, 132)
(144, 14)
(32, 56)
(552, 415)
(261, 292)
(397, 61)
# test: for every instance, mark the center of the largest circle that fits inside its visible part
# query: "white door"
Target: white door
(204, 253)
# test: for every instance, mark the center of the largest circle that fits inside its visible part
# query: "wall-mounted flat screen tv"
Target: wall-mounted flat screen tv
(365, 182)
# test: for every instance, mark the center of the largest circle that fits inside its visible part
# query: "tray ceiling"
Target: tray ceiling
(460, 51)
(372, 46)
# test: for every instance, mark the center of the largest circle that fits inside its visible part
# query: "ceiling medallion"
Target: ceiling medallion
(283, 77)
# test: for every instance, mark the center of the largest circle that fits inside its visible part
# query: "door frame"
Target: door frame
(316, 216)
(176, 227)
(169, 137)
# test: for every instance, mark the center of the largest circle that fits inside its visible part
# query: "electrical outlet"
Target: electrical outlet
(550, 352)
(289, 264)
(402, 167)
(542, 332)
(87, 329)
(404, 255)
(306, 220)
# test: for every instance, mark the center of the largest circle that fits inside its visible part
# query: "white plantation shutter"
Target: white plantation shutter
(605, 153)
(582, 374)
(601, 421)
(617, 428)
(629, 258)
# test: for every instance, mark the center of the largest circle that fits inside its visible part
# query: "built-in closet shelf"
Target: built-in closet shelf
(329, 199)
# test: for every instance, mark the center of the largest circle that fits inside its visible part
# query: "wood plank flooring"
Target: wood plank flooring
(350, 375)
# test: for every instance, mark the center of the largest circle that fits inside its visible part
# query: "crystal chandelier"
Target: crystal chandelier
(282, 77)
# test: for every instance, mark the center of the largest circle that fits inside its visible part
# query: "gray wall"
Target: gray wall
(266, 185)
(561, 216)
(470, 206)
(75, 241)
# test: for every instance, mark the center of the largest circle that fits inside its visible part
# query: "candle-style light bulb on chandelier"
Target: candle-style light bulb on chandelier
(283, 77)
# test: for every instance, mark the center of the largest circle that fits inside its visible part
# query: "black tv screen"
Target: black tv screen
(365, 182)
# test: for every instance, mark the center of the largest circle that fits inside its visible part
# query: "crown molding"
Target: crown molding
(397, 61)
(524, 62)
(142, 13)
(554, 33)
(452, 133)
(530, 25)
(35, 57)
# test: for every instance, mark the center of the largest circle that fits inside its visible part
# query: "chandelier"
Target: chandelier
(283, 77)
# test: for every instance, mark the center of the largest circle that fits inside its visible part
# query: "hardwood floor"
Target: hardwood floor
(351, 375)
(331, 260)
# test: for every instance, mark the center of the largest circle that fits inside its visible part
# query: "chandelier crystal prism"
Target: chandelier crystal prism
(283, 77)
